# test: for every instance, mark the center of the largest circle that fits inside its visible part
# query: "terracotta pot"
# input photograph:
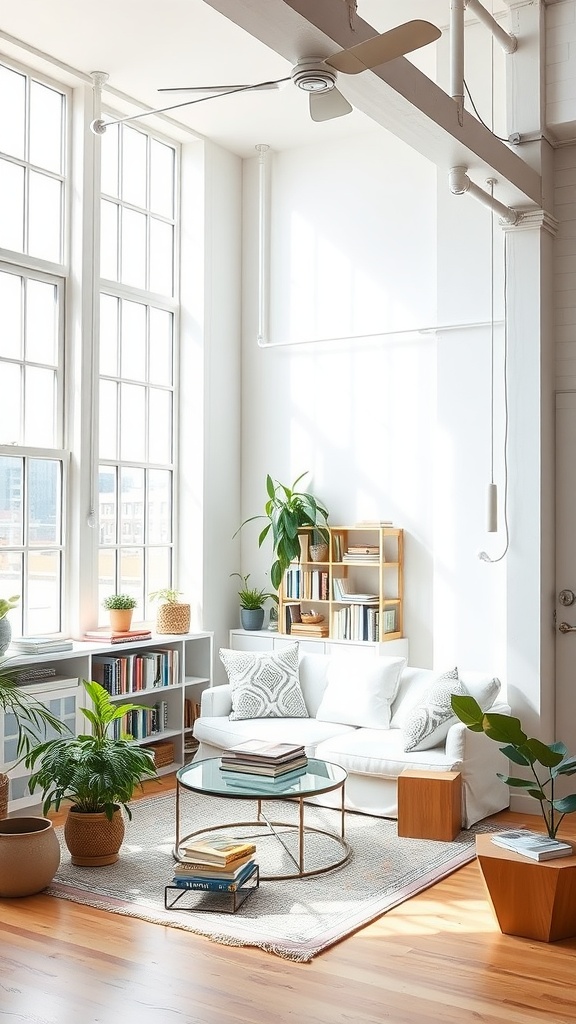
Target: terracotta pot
(29, 855)
(92, 839)
(121, 619)
(173, 618)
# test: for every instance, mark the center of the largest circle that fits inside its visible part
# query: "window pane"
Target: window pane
(44, 504)
(160, 426)
(12, 105)
(109, 240)
(12, 572)
(45, 217)
(11, 405)
(158, 575)
(11, 206)
(107, 507)
(132, 423)
(11, 306)
(46, 122)
(106, 577)
(132, 576)
(132, 506)
(44, 572)
(134, 167)
(40, 407)
(133, 248)
(161, 257)
(109, 335)
(41, 324)
(11, 511)
(108, 420)
(133, 341)
(160, 371)
(109, 158)
(159, 507)
(161, 179)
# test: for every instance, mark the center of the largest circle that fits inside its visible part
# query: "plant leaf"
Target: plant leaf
(468, 711)
(509, 780)
(543, 753)
(504, 729)
(515, 755)
(566, 804)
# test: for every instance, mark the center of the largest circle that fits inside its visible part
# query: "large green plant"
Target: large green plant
(287, 511)
(96, 772)
(529, 753)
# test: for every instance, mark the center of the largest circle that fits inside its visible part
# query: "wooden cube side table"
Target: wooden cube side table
(429, 804)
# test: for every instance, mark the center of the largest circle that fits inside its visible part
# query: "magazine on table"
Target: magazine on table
(535, 845)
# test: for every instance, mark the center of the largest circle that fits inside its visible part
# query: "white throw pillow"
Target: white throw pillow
(360, 690)
(428, 723)
(265, 684)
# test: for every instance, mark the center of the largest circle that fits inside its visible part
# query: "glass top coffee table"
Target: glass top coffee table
(319, 777)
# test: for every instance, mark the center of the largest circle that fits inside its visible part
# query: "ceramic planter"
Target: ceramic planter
(252, 618)
(121, 619)
(29, 855)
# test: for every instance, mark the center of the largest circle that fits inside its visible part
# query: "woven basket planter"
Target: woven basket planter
(173, 618)
(4, 785)
(92, 839)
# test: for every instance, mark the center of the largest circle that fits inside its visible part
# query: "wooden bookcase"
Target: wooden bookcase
(187, 660)
(358, 592)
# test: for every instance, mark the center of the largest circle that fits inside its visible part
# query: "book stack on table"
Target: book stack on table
(215, 864)
(257, 764)
(532, 844)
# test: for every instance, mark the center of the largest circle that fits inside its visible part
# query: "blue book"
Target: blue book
(214, 884)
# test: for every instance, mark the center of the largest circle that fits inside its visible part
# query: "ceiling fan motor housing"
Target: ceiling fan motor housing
(313, 75)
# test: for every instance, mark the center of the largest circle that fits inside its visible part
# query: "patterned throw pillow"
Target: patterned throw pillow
(265, 684)
(428, 723)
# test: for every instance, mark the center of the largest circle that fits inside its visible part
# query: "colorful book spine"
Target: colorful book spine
(214, 884)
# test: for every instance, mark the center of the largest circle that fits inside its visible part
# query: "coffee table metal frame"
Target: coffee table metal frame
(262, 821)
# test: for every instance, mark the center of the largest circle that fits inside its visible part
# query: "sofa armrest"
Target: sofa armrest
(216, 702)
(480, 760)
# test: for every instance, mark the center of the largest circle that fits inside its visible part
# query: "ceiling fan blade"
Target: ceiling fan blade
(261, 87)
(326, 105)
(385, 47)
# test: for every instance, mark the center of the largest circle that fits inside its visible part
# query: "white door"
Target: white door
(566, 572)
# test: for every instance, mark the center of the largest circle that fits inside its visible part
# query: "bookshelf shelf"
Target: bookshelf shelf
(359, 590)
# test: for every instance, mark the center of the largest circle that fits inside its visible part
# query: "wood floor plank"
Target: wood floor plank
(438, 957)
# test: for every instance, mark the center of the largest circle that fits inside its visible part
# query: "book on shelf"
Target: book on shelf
(264, 750)
(187, 869)
(215, 884)
(31, 675)
(269, 771)
(270, 783)
(363, 549)
(373, 524)
(535, 845)
(113, 636)
(304, 541)
(309, 629)
(217, 849)
(343, 592)
(40, 644)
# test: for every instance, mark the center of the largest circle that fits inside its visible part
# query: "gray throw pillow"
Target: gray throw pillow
(264, 684)
(428, 723)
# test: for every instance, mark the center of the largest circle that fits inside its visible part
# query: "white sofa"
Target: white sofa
(373, 758)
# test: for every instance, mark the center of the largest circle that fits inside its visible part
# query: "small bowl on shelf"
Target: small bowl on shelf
(310, 618)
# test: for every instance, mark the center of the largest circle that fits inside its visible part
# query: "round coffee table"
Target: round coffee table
(320, 777)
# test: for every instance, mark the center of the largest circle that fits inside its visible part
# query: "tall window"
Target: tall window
(137, 332)
(33, 158)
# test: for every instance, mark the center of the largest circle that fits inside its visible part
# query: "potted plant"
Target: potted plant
(6, 605)
(173, 615)
(252, 602)
(121, 607)
(98, 773)
(288, 511)
(529, 753)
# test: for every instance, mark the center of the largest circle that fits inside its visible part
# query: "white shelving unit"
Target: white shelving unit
(266, 640)
(65, 696)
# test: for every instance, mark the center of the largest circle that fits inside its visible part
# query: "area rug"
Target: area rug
(295, 919)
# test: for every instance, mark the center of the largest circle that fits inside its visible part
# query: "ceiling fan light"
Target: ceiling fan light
(312, 76)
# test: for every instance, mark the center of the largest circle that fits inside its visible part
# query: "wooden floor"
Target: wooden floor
(438, 957)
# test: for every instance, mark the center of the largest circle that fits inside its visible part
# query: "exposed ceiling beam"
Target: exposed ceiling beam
(396, 95)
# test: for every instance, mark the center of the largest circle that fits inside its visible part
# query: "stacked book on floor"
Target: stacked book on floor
(259, 764)
(214, 864)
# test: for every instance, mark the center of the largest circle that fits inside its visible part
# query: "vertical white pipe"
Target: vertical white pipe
(263, 243)
(457, 55)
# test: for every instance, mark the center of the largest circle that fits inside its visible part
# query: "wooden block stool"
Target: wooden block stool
(429, 805)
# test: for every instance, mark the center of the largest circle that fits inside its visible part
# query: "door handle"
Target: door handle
(564, 627)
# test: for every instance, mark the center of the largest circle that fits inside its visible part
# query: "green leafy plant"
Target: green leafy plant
(287, 511)
(166, 595)
(119, 602)
(96, 772)
(529, 753)
(7, 604)
(251, 598)
(32, 717)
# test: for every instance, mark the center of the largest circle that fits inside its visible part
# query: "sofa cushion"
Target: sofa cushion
(264, 684)
(222, 733)
(370, 752)
(415, 681)
(428, 723)
(360, 690)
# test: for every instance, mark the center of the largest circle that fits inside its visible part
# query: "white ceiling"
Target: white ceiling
(144, 45)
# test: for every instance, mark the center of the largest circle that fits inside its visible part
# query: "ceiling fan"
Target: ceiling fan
(316, 75)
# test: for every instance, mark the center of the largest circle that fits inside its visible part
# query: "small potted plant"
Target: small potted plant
(173, 615)
(6, 605)
(121, 607)
(98, 773)
(252, 602)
